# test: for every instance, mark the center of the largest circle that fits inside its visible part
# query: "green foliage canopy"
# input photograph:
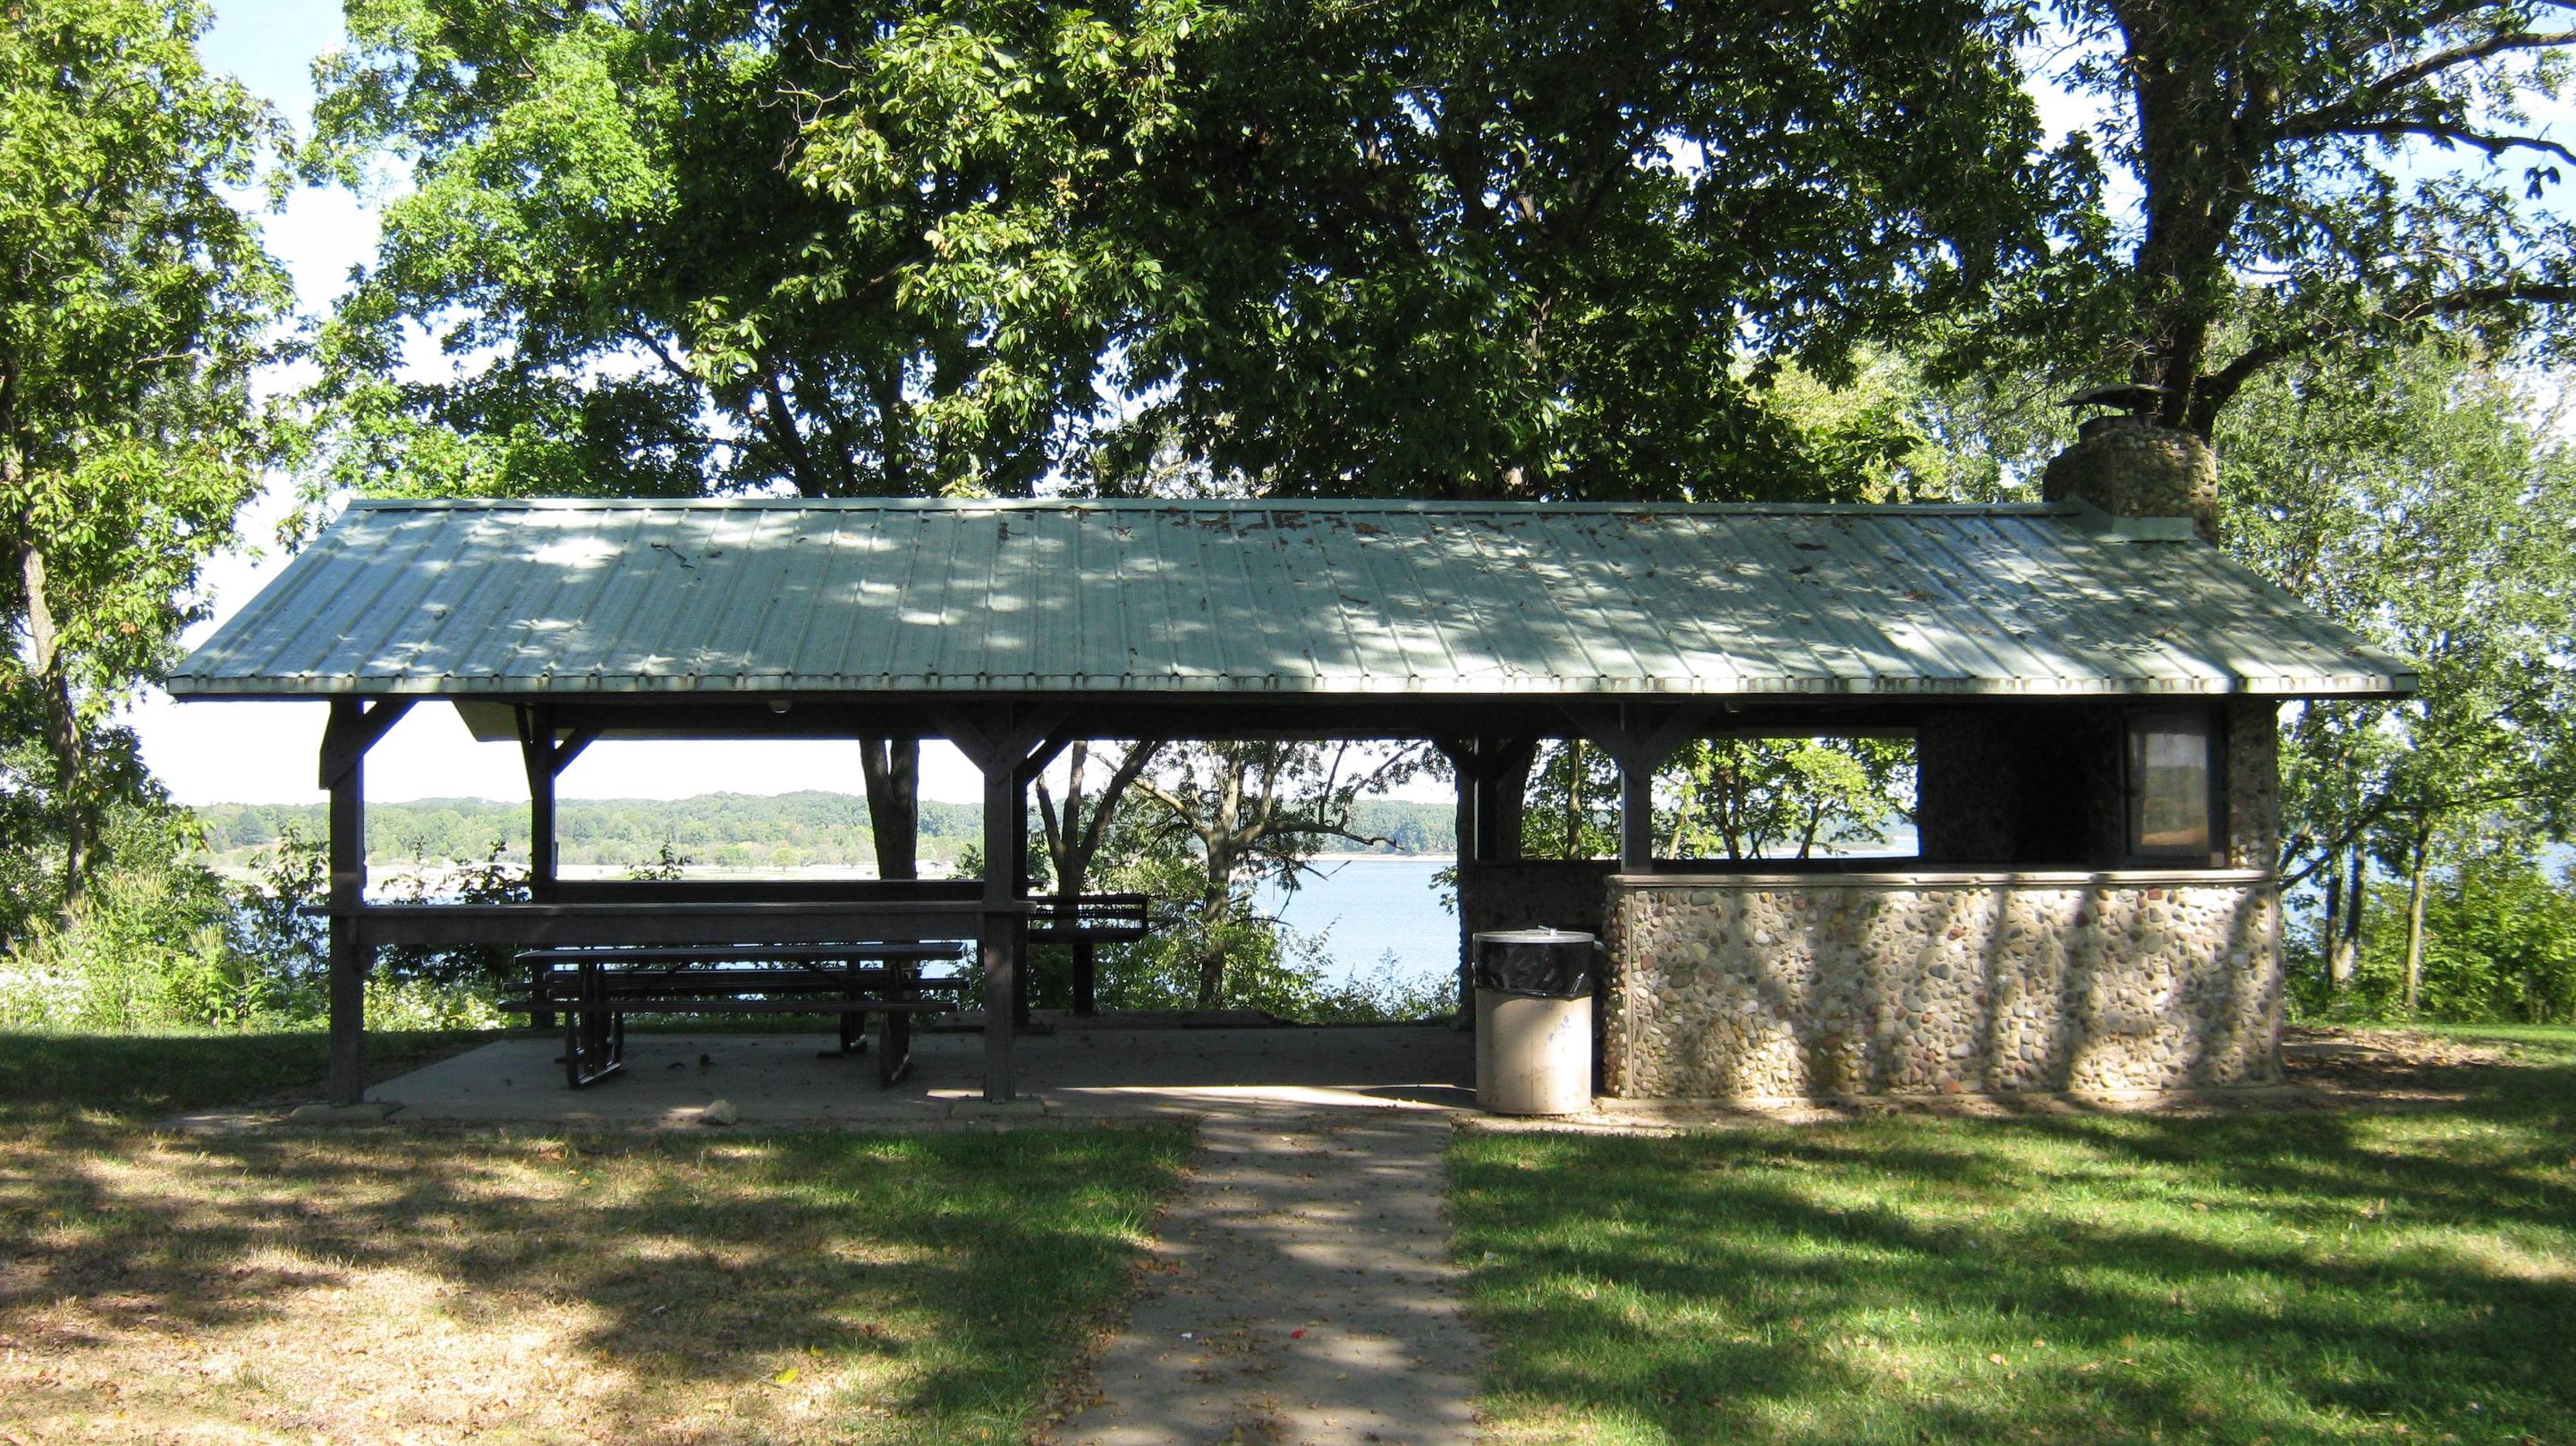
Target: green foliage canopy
(959, 244)
(2310, 177)
(2435, 512)
(671, 246)
(1547, 251)
(135, 302)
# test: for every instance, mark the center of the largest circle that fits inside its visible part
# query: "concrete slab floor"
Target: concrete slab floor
(1302, 1295)
(1079, 1073)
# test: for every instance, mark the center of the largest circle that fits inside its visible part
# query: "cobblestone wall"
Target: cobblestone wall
(1772, 987)
(2130, 467)
(2253, 783)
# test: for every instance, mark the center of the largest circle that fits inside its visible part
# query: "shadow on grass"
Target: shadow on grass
(915, 1288)
(46, 1075)
(2281, 1278)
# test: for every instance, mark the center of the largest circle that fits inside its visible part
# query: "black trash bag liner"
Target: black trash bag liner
(1535, 963)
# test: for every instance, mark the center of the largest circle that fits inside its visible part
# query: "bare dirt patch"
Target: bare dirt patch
(2380, 1067)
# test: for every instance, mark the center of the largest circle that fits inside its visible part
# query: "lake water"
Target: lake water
(1371, 909)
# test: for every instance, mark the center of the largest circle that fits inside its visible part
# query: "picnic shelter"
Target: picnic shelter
(2090, 685)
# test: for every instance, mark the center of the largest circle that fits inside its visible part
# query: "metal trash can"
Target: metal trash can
(1534, 1021)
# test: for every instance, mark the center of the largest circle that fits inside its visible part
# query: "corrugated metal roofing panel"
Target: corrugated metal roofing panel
(510, 599)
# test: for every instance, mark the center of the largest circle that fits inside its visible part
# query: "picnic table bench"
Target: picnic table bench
(594, 989)
(1083, 922)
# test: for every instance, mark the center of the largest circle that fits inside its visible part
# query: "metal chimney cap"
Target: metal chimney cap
(2138, 397)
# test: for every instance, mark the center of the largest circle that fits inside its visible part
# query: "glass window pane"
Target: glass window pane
(2169, 784)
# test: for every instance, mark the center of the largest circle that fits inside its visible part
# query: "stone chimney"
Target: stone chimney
(2131, 466)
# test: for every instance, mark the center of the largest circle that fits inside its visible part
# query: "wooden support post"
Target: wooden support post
(353, 729)
(1462, 759)
(537, 754)
(998, 942)
(1008, 747)
(1488, 811)
(545, 758)
(1488, 829)
(1511, 795)
(1637, 815)
(1641, 739)
(1086, 979)
(1016, 869)
(349, 966)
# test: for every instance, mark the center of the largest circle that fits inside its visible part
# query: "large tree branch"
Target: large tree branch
(662, 354)
(2215, 389)
(2459, 55)
(2370, 102)
(1210, 839)
(1128, 771)
(2481, 298)
(2447, 135)
(780, 422)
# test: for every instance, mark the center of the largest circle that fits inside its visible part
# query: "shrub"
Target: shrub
(151, 944)
(420, 1004)
(2499, 946)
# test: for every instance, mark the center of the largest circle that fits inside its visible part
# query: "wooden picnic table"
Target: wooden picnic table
(852, 980)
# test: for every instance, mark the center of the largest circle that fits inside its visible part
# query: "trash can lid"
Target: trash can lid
(1534, 936)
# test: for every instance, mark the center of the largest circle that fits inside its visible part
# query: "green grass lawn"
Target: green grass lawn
(390, 1285)
(138, 1077)
(2357, 1276)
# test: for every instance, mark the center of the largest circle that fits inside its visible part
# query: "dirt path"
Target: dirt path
(1304, 1297)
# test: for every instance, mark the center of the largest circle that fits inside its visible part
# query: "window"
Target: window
(2171, 808)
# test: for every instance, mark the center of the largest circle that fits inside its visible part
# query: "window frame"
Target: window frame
(2138, 724)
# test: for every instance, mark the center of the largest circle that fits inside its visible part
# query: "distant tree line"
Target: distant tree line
(721, 830)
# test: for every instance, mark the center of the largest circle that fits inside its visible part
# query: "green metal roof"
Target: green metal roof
(524, 599)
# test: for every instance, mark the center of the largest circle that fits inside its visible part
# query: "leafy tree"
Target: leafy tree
(2311, 177)
(1073, 833)
(1448, 250)
(1572, 811)
(2435, 512)
(2500, 946)
(155, 942)
(1750, 798)
(1268, 966)
(676, 246)
(135, 300)
(672, 246)
(1256, 809)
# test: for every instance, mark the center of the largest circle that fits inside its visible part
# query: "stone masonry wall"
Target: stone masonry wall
(1776, 987)
(2253, 782)
(2131, 467)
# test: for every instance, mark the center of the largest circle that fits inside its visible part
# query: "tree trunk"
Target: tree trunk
(2415, 871)
(1216, 900)
(1807, 837)
(2343, 934)
(61, 722)
(1073, 836)
(1073, 840)
(1573, 799)
(1511, 797)
(2195, 181)
(892, 767)
(2330, 935)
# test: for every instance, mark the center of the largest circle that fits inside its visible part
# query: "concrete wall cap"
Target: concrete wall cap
(1957, 879)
